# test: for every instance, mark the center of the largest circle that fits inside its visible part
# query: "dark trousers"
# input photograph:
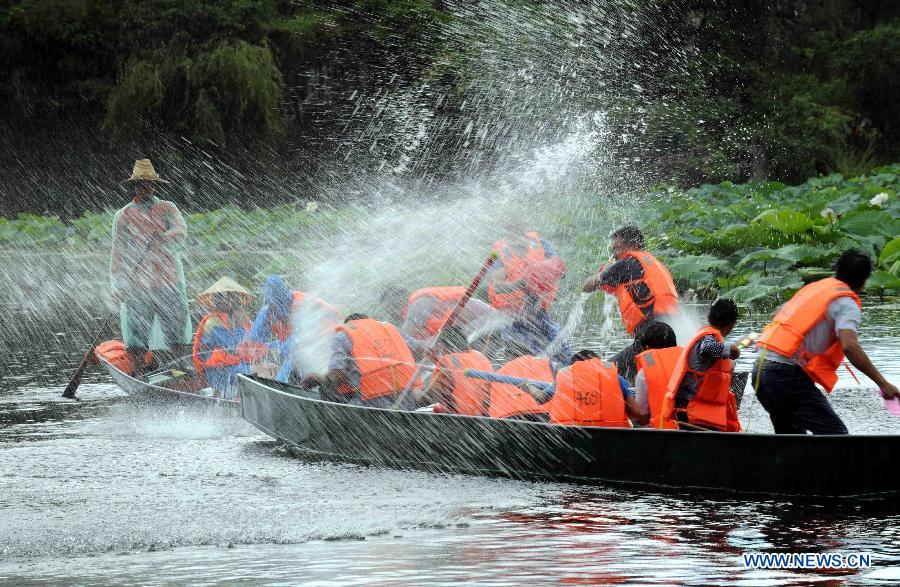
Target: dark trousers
(794, 403)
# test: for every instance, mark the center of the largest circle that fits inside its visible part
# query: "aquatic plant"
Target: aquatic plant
(759, 242)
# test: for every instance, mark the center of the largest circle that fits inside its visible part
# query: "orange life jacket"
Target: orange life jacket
(447, 299)
(507, 400)
(658, 365)
(114, 351)
(663, 295)
(588, 394)
(282, 330)
(470, 396)
(515, 268)
(714, 405)
(218, 358)
(786, 333)
(382, 357)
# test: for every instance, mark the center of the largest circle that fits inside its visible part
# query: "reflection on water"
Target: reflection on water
(104, 490)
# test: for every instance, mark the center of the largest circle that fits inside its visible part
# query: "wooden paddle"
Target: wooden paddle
(75, 381)
(470, 291)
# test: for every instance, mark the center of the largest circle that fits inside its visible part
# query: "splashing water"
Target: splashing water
(568, 329)
(686, 323)
(426, 176)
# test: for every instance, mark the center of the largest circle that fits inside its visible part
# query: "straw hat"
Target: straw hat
(143, 171)
(226, 285)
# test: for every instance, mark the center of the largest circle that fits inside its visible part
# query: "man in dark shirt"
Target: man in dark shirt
(642, 285)
(628, 279)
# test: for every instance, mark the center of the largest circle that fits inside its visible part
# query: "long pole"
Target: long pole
(470, 291)
(507, 379)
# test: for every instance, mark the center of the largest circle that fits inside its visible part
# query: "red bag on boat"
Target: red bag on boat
(114, 352)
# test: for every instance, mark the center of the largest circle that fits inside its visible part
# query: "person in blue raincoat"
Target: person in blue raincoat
(146, 274)
(219, 334)
(267, 344)
(290, 331)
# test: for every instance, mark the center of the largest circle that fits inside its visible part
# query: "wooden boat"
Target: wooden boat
(794, 465)
(185, 388)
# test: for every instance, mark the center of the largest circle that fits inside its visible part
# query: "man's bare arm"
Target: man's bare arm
(859, 359)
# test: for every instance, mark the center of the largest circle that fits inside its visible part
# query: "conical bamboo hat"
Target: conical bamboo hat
(223, 286)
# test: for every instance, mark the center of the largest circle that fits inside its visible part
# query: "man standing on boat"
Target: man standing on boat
(643, 288)
(807, 342)
(146, 274)
(642, 285)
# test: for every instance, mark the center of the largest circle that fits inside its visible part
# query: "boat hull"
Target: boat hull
(795, 465)
(148, 392)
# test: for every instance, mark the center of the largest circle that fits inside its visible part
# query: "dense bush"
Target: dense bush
(213, 71)
(729, 90)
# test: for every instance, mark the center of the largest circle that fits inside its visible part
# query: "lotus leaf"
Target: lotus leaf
(882, 280)
(746, 294)
(787, 222)
(890, 253)
(871, 223)
(790, 253)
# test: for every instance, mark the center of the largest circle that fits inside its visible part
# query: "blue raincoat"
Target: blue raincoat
(274, 319)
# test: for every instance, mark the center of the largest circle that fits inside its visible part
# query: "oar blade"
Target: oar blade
(75, 382)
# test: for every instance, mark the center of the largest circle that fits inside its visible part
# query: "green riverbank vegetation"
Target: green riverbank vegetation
(756, 242)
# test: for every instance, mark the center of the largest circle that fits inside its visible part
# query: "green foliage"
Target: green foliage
(870, 59)
(768, 90)
(233, 90)
(140, 94)
(806, 131)
(209, 71)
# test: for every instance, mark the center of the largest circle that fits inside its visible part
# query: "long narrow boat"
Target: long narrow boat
(186, 389)
(794, 465)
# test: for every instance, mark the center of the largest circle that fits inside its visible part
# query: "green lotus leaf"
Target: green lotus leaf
(882, 280)
(890, 253)
(870, 223)
(747, 294)
(787, 222)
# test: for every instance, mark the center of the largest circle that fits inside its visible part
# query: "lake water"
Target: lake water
(108, 491)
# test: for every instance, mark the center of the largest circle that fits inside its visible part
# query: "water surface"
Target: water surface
(109, 491)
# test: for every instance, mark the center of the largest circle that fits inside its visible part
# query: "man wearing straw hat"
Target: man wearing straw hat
(146, 274)
(219, 334)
